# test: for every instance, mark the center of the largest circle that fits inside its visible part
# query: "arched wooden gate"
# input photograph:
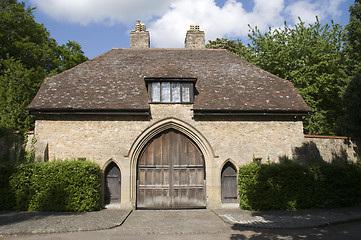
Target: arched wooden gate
(112, 184)
(229, 183)
(171, 173)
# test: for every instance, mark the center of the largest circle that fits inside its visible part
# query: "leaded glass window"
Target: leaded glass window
(155, 91)
(186, 92)
(165, 92)
(171, 92)
(176, 97)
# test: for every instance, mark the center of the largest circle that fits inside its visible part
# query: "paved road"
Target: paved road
(196, 224)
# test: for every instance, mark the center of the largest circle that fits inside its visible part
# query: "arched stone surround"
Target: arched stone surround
(193, 134)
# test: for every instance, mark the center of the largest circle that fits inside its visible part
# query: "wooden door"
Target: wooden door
(171, 173)
(229, 183)
(112, 184)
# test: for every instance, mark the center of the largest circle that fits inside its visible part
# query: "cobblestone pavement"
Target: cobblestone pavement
(289, 219)
(54, 222)
(145, 222)
(160, 222)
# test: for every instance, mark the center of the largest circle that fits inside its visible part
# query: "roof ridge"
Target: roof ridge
(170, 49)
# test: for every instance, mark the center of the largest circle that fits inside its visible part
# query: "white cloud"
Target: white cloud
(168, 20)
(231, 20)
(307, 10)
(333, 8)
(170, 29)
(102, 11)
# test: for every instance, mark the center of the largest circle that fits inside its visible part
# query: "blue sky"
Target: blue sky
(100, 25)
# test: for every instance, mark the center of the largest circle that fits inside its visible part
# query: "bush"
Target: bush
(7, 198)
(291, 186)
(56, 186)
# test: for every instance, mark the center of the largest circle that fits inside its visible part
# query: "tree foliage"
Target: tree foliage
(351, 124)
(234, 46)
(69, 55)
(311, 57)
(17, 87)
(27, 56)
(24, 39)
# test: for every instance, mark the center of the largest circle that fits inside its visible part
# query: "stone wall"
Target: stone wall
(101, 138)
(328, 149)
(238, 139)
(12, 146)
(111, 138)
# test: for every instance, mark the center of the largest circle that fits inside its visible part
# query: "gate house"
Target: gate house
(168, 127)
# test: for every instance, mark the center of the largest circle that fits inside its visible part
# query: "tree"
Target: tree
(234, 46)
(351, 124)
(312, 58)
(69, 55)
(17, 86)
(24, 39)
(27, 56)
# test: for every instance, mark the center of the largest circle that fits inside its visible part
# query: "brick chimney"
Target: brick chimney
(139, 38)
(195, 38)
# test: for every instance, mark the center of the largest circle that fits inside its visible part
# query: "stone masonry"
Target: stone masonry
(139, 38)
(104, 139)
(195, 38)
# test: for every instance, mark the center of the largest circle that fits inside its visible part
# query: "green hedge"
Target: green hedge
(54, 186)
(7, 198)
(292, 186)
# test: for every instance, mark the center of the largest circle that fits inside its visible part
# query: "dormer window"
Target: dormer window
(171, 91)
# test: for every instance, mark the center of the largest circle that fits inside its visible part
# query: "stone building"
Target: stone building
(168, 127)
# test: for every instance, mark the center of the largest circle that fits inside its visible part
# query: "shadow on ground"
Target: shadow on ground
(340, 231)
(11, 217)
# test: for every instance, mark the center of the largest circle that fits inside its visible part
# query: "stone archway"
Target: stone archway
(171, 173)
(213, 198)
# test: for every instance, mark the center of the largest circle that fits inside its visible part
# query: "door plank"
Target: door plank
(112, 184)
(171, 173)
(229, 183)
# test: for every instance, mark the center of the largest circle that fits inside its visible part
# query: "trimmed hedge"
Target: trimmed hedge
(7, 198)
(290, 186)
(55, 186)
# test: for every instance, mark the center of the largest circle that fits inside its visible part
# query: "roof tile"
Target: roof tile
(115, 81)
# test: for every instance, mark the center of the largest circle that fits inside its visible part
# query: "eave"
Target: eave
(128, 112)
(203, 112)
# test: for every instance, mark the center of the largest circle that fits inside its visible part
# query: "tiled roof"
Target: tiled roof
(115, 82)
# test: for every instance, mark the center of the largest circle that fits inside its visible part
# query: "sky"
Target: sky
(100, 25)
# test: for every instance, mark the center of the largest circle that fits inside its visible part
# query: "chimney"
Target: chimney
(195, 38)
(139, 38)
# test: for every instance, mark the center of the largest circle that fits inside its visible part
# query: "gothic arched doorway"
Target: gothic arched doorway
(229, 183)
(112, 184)
(171, 173)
